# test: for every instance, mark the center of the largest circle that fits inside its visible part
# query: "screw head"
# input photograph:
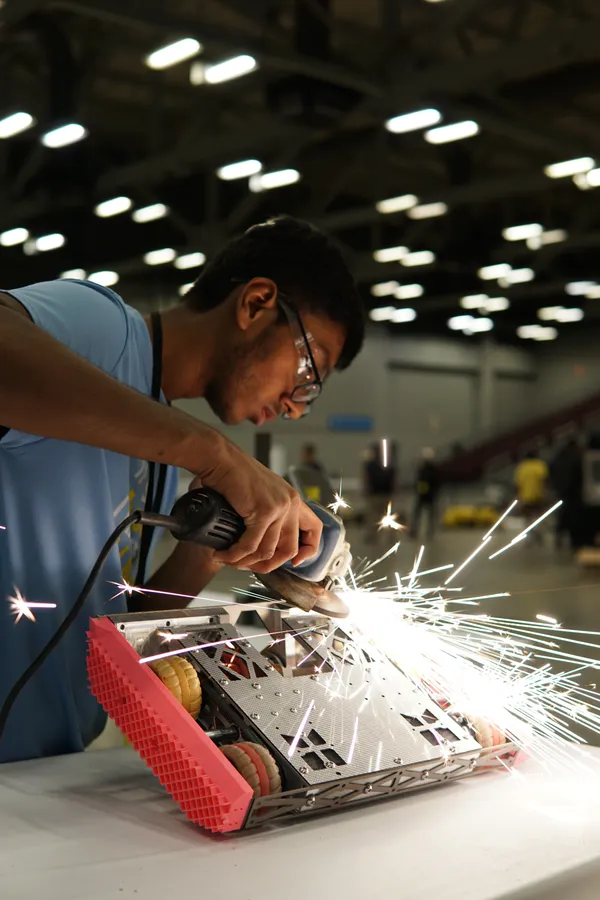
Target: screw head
(314, 677)
(254, 716)
(294, 709)
(367, 788)
(398, 760)
(473, 763)
(255, 685)
(329, 765)
(296, 690)
(425, 775)
(223, 681)
(245, 643)
(303, 770)
(311, 801)
(269, 668)
(278, 694)
(274, 712)
(259, 697)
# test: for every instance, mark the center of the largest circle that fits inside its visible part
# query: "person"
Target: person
(566, 478)
(531, 476)
(427, 488)
(379, 484)
(265, 323)
(310, 460)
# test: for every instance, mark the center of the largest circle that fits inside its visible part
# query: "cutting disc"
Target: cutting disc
(307, 595)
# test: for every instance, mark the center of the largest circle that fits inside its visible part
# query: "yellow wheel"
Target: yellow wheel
(180, 677)
(256, 765)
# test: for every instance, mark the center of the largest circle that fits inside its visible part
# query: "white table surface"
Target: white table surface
(95, 826)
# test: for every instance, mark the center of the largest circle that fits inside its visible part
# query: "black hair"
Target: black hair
(304, 263)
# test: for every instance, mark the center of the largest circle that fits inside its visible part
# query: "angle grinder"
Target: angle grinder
(205, 517)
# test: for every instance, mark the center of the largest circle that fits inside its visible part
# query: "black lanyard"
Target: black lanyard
(153, 500)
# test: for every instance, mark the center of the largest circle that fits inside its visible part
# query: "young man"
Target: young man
(261, 329)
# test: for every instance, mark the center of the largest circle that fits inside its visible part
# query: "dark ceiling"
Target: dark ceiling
(330, 72)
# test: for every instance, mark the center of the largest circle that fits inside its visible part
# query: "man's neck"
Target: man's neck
(188, 352)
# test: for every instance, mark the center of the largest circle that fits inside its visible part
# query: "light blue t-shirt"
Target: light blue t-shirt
(59, 502)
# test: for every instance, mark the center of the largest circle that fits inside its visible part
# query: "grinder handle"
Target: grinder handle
(205, 517)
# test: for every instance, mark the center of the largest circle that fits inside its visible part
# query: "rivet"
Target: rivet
(278, 694)
(296, 690)
(293, 709)
(303, 770)
(274, 712)
(254, 716)
(259, 697)
(255, 685)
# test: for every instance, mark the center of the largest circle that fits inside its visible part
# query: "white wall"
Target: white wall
(569, 369)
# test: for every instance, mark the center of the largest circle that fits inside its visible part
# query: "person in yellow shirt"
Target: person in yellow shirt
(531, 476)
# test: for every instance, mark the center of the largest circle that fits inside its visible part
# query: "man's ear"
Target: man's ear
(257, 304)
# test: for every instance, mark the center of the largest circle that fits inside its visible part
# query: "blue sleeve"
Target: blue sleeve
(89, 319)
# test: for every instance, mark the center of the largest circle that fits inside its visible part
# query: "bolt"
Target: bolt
(223, 681)
(329, 765)
(473, 763)
(293, 709)
(269, 668)
(274, 712)
(398, 760)
(303, 770)
(245, 643)
(255, 685)
(310, 801)
(367, 788)
(296, 690)
(259, 697)
(254, 716)
(425, 775)
(314, 677)
(278, 694)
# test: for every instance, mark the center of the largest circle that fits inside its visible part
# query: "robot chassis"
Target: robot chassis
(247, 731)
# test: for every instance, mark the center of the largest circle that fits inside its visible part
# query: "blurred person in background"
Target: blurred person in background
(427, 489)
(566, 478)
(310, 460)
(379, 484)
(531, 477)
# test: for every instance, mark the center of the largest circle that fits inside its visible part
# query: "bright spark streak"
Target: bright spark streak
(20, 607)
(384, 453)
(520, 537)
(228, 641)
(2, 527)
(298, 734)
(390, 520)
(338, 503)
(550, 619)
(526, 531)
(501, 519)
(430, 571)
(467, 560)
(353, 742)
(415, 569)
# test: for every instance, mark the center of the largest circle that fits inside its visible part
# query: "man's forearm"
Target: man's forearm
(187, 571)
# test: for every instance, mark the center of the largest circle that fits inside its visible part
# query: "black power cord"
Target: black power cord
(137, 517)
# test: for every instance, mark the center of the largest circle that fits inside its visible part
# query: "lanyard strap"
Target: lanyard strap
(153, 500)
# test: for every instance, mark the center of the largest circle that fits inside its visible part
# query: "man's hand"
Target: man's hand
(279, 526)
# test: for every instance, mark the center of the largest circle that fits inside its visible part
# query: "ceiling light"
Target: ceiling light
(592, 294)
(190, 261)
(202, 73)
(428, 211)
(474, 301)
(554, 236)
(149, 213)
(242, 169)
(579, 288)
(537, 332)
(422, 118)
(159, 257)
(64, 135)
(546, 334)
(522, 232)
(384, 288)
(480, 324)
(382, 313)
(569, 167)
(13, 236)
(269, 180)
(77, 274)
(457, 323)
(516, 276)
(592, 177)
(418, 258)
(184, 288)
(573, 314)
(389, 254)
(581, 181)
(409, 291)
(454, 132)
(49, 242)
(106, 278)
(549, 313)
(403, 315)
(396, 204)
(113, 207)
(15, 124)
(490, 273)
(496, 304)
(173, 53)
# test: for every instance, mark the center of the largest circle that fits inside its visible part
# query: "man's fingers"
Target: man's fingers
(247, 545)
(266, 548)
(311, 528)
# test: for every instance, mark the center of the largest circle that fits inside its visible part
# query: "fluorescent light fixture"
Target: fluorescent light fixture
(382, 313)
(160, 257)
(555, 236)
(549, 313)
(418, 258)
(573, 314)
(184, 288)
(245, 168)
(569, 167)
(453, 132)
(106, 278)
(593, 293)
(215, 73)
(491, 273)
(422, 118)
(79, 274)
(409, 291)
(579, 288)
(390, 254)
(537, 332)
(546, 334)
(113, 207)
(496, 304)
(474, 301)
(149, 213)
(428, 210)
(480, 324)
(592, 177)
(396, 204)
(13, 236)
(15, 124)
(49, 242)
(269, 180)
(457, 323)
(173, 53)
(522, 232)
(190, 261)
(400, 316)
(516, 276)
(581, 181)
(384, 288)
(64, 135)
